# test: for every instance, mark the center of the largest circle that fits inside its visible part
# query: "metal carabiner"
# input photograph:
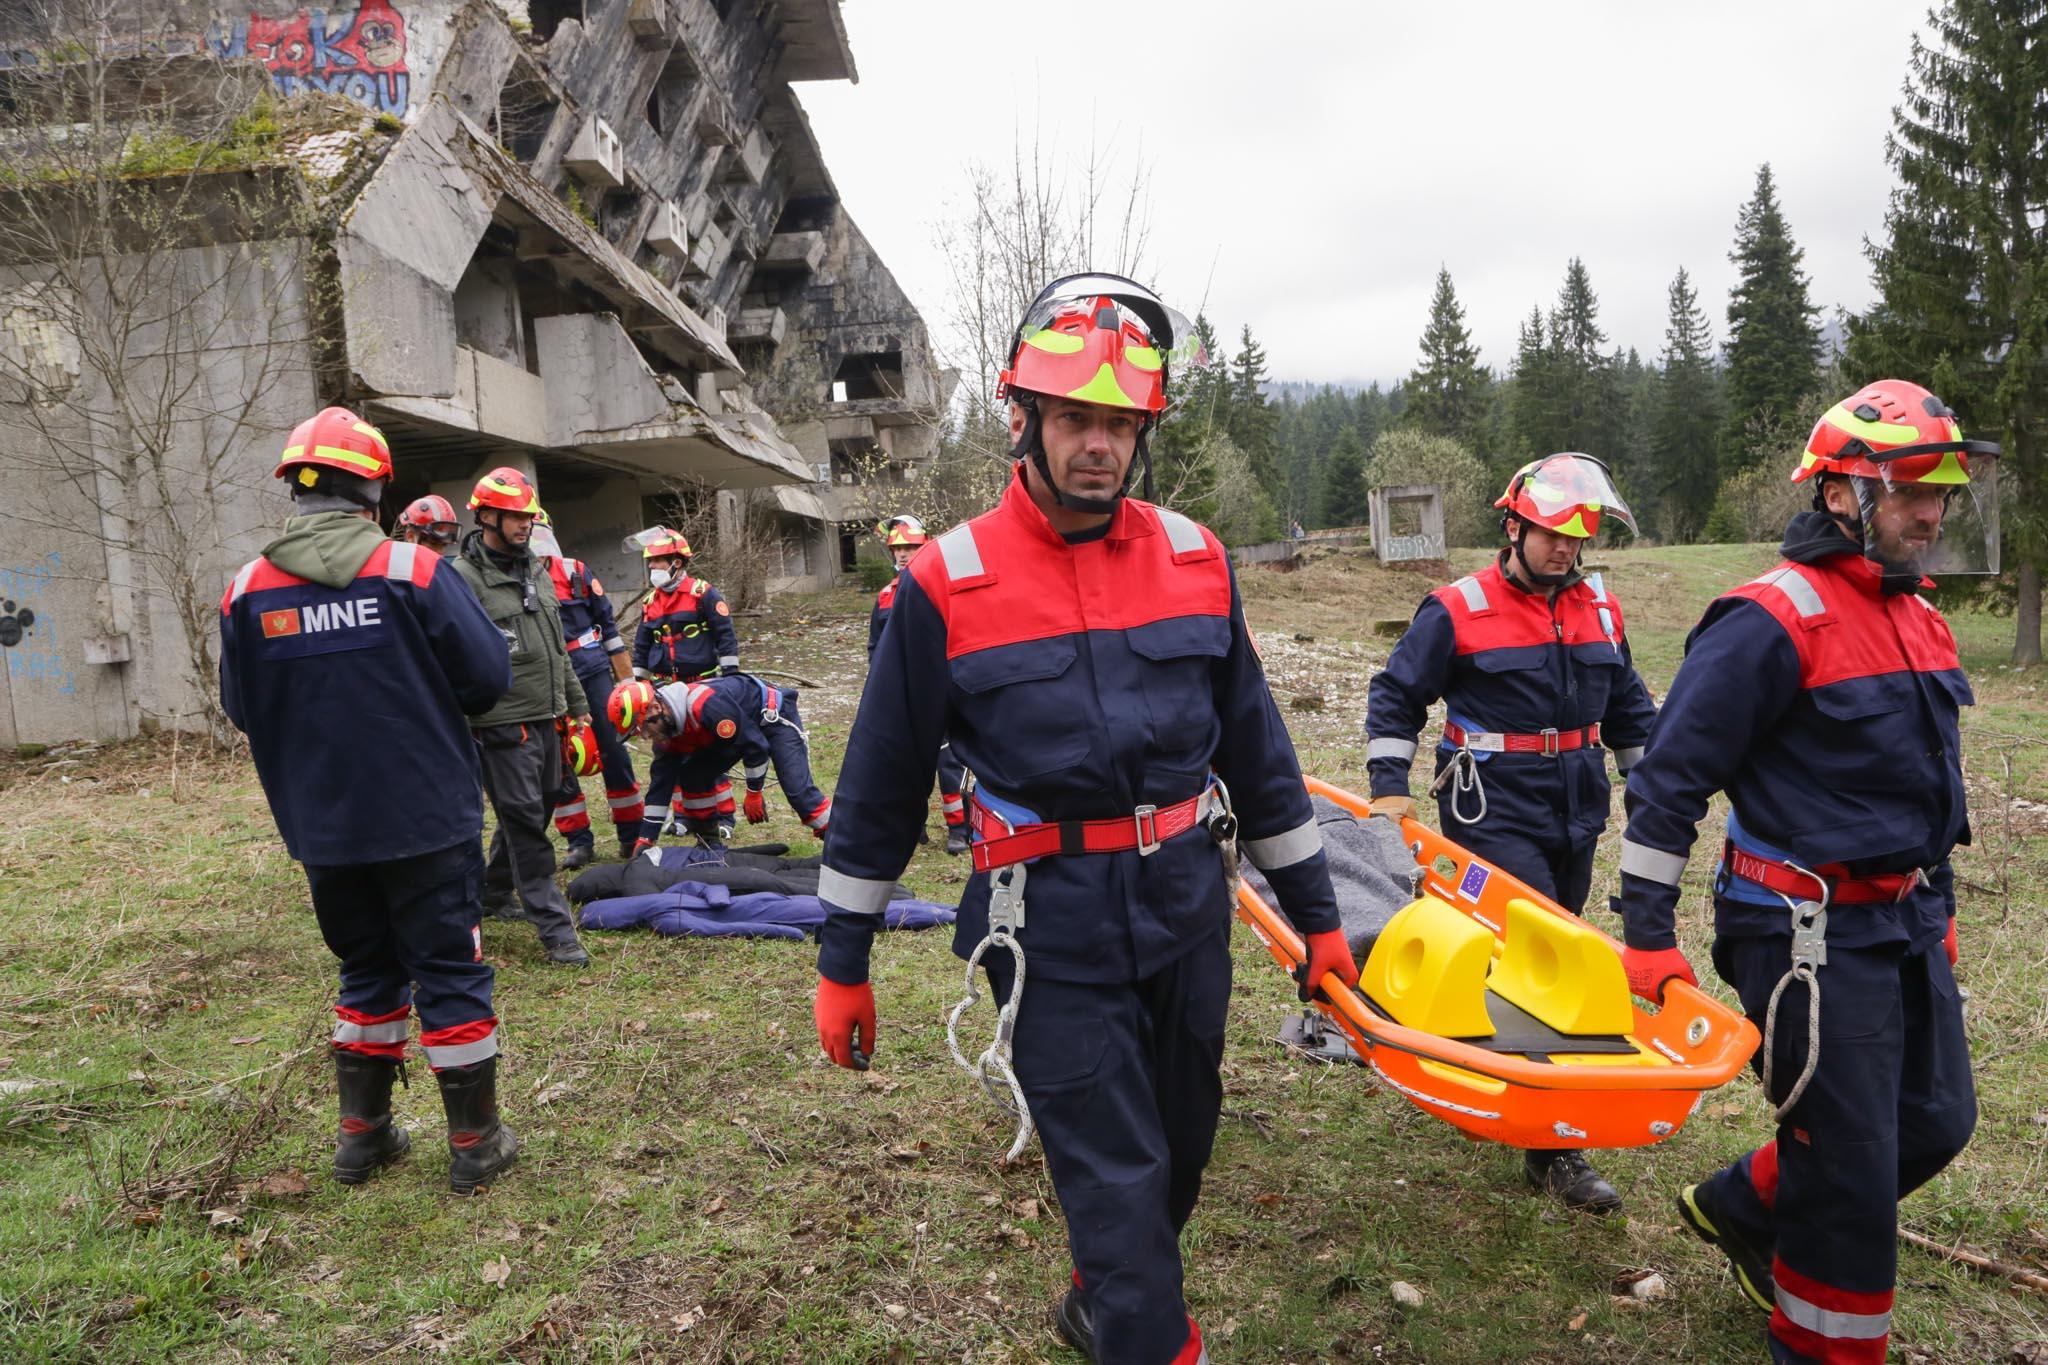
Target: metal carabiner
(1809, 955)
(994, 1069)
(1462, 772)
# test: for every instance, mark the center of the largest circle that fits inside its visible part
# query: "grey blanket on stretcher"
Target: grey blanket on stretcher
(1370, 868)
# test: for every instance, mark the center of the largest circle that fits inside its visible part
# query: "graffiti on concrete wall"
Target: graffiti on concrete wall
(28, 635)
(359, 53)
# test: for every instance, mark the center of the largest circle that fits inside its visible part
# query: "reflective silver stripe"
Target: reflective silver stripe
(728, 661)
(655, 812)
(952, 805)
(694, 804)
(1285, 850)
(821, 817)
(242, 577)
(1651, 864)
(576, 807)
(861, 895)
(626, 802)
(463, 1054)
(400, 564)
(1829, 1323)
(392, 1032)
(1387, 747)
(1183, 535)
(614, 645)
(961, 555)
(756, 771)
(1473, 591)
(1625, 759)
(642, 673)
(1798, 589)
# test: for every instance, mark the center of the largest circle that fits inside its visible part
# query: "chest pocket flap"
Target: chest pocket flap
(1181, 637)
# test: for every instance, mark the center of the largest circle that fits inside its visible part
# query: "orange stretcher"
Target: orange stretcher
(1595, 1070)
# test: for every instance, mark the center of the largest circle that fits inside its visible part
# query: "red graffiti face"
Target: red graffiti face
(283, 45)
(379, 36)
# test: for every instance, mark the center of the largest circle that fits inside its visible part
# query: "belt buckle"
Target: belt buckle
(1549, 736)
(1910, 883)
(1145, 819)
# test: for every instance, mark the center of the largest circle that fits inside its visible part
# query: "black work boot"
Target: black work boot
(368, 1138)
(1076, 1323)
(479, 1143)
(503, 905)
(956, 839)
(582, 853)
(1568, 1175)
(1750, 1266)
(567, 953)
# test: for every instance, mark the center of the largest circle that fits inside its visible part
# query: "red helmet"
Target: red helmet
(507, 490)
(1566, 493)
(663, 543)
(335, 438)
(1892, 430)
(579, 749)
(630, 705)
(432, 510)
(903, 529)
(1090, 349)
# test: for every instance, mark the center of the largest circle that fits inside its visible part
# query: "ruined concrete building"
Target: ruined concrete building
(592, 238)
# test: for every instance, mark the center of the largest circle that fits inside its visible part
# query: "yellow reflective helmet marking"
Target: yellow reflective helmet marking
(1104, 389)
(1575, 527)
(1144, 357)
(1056, 343)
(1884, 433)
(1949, 471)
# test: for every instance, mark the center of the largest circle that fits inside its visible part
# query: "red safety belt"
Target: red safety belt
(1145, 829)
(1549, 743)
(1787, 880)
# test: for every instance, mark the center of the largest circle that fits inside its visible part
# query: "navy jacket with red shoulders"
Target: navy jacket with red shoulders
(1078, 681)
(879, 617)
(588, 630)
(1505, 660)
(686, 632)
(1829, 711)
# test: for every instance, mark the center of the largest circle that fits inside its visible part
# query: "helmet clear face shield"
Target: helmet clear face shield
(1563, 482)
(440, 534)
(1171, 332)
(1944, 524)
(542, 541)
(637, 543)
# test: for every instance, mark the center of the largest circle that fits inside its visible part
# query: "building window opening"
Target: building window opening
(876, 374)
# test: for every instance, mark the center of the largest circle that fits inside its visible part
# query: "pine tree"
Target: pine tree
(1447, 391)
(1773, 340)
(1344, 494)
(1566, 396)
(1251, 423)
(1963, 272)
(1685, 422)
(1529, 396)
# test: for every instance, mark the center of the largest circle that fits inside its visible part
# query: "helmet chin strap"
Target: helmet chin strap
(1520, 542)
(1031, 446)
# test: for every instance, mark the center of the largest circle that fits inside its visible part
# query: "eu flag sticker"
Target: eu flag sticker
(1473, 882)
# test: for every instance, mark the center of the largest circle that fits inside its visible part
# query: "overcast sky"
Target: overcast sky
(1312, 163)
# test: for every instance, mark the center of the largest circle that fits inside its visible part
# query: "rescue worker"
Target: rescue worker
(598, 658)
(337, 645)
(519, 739)
(685, 633)
(1532, 663)
(428, 521)
(905, 535)
(1087, 654)
(700, 729)
(1824, 698)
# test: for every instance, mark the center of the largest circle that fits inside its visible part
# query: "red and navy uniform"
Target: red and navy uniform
(390, 664)
(1080, 680)
(686, 632)
(1508, 661)
(952, 776)
(735, 718)
(592, 638)
(1829, 711)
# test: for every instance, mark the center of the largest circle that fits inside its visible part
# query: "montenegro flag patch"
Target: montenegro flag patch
(284, 622)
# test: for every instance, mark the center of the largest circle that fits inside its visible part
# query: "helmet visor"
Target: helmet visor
(1563, 482)
(440, 534)
(1172, 334)
(1936, 525)
(543, 542)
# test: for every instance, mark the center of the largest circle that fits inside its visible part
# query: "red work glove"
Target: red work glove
(1649, 969)
(846, 1022)
(756, 807)
(1327, 952)
(1948, 941)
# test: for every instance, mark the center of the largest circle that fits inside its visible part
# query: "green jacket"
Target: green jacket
(524, 612)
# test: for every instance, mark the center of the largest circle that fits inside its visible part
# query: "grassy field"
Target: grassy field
(698, 1184)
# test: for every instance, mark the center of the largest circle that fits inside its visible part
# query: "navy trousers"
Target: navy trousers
(1124, 1084)
(1890, 1104)
(406, 932)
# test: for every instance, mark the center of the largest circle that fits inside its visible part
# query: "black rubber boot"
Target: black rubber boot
(479, 1143)
(368, 1138)
(956, 839)
(1075, 1323)
(582, 853)
(1750, 1267)
(1568, 1175)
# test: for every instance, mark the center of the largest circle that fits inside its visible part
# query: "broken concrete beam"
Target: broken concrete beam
(757, 324)
(649, 21)
(797, 251)
(750, 162)
(708, 255)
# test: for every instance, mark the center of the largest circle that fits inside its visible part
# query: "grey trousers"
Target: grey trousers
(522, 769)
